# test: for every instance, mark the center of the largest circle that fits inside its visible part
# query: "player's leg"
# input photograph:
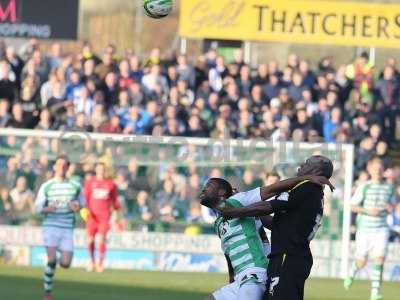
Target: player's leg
(363, 245)
(252, 287)
(227, 292)
(378, 255)
(51, 239)
(91, 229)
(286, 277)
(49, 272)
(67, 248)
(66, 259)
(103, 231)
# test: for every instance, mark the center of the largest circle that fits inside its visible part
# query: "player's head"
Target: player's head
(100, 170)
(375, 168)
(61, 165)
(215, 191)
(316, 165)
(272, 178)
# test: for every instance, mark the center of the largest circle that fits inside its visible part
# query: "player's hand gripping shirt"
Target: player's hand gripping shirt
(240, 239)
(59, 194)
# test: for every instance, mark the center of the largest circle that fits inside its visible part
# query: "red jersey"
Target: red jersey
(101, 197)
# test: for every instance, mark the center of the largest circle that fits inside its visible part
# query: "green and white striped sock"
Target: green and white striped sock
(376, 279)
(48, 275)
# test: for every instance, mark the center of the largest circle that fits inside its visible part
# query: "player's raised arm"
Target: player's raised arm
(288, 184)
(265, 208)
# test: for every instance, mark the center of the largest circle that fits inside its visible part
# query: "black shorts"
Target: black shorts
(286, 277)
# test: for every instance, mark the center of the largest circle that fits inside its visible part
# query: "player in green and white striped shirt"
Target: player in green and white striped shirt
(372, 201)
(58, 200)
(240, 239)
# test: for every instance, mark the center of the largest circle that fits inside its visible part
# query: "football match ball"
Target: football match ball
(157, 9)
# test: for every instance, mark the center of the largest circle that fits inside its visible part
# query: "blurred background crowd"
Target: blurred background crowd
(168, 94)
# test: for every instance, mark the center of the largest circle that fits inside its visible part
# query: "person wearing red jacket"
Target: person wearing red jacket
(101, 198)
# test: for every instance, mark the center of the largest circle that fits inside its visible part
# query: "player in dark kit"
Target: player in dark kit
(298, 215)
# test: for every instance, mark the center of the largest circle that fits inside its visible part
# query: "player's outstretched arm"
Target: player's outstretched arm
(288, 184)
(257, 209)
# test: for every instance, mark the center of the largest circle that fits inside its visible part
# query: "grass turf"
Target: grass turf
(18, 283)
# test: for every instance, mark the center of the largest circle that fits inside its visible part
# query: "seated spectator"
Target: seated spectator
(45, 121)
(22, 198)
(295, 89)
(331, 126)
(125, 80)
(185, 71)
(7, 214)
(138, 121)
(83, 103)
(153, 78)
(8, 85)
(4, 114)
(302, 122)
(111, 126)
(17, 118)
(73, 86)
(106, 66)
(142, 210)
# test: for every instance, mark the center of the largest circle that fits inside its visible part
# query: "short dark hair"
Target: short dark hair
(63, 157)
(224, 185)
(326, 166)
(216, 185)
(273, 174)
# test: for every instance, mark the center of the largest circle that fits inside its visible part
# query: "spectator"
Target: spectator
(125, 79)
(22, 198)
(8, 86)
(142, 210)
(332, 125)
(154, 78)
(185, 71)
(4, 115)
(16, 64)
(105, 67)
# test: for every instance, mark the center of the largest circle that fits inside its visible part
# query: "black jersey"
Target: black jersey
(297, 221)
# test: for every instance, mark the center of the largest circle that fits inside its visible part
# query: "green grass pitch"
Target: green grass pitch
(18, 283)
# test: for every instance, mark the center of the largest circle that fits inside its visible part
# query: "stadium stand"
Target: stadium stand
(176, 96)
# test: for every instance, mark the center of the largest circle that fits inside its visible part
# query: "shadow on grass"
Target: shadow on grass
(20, 288)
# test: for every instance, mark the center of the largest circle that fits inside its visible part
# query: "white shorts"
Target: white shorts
(60, 238)
(372, 244)
(247, 285)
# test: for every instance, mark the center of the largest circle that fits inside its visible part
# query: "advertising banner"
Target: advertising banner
(191, 262)
(115, 259)
(310, 22)
(169, 252)
(44, 19)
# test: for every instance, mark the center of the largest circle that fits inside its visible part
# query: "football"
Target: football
(157, 9)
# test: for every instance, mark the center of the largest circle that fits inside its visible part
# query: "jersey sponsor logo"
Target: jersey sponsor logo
(100, 193)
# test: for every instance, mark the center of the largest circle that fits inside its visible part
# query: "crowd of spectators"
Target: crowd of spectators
(205, 96)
